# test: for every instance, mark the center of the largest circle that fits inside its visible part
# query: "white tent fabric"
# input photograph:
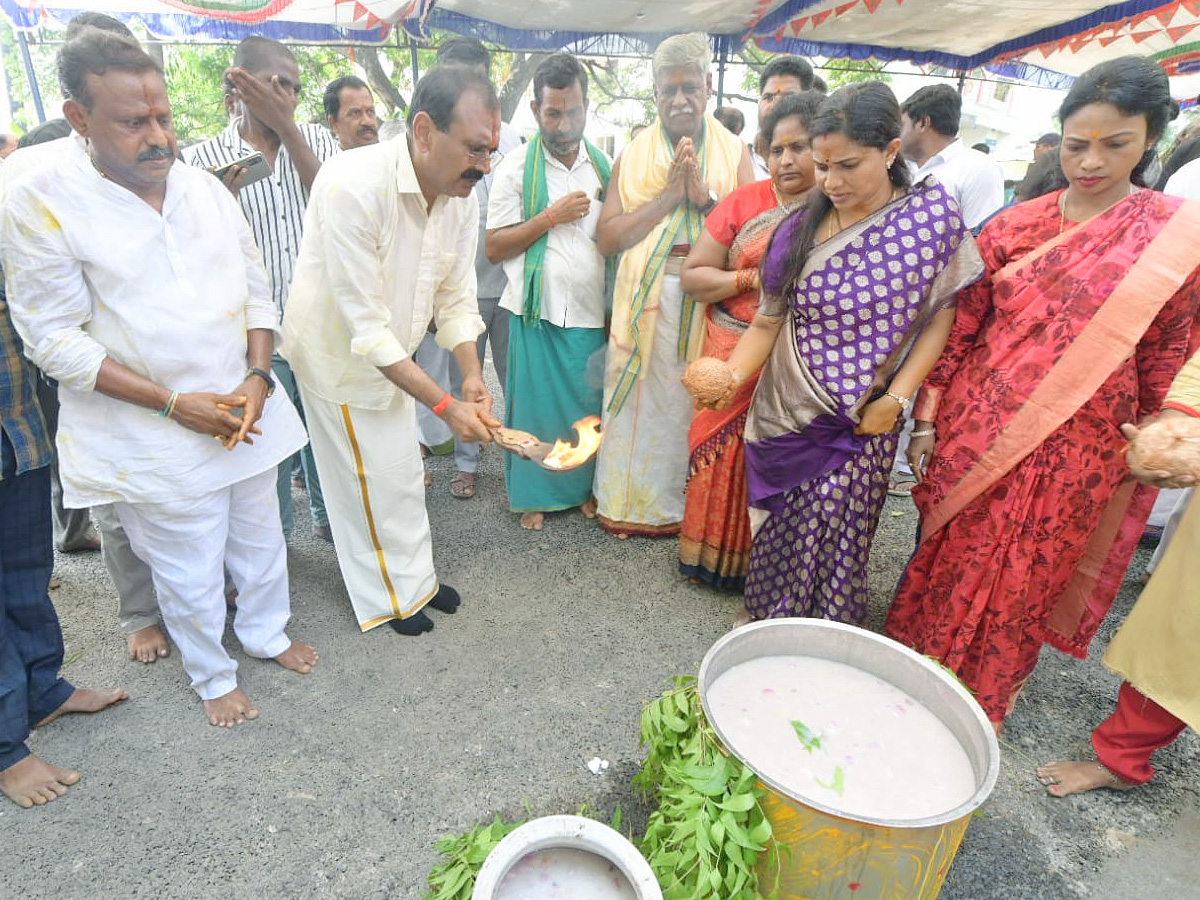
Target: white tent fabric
(1031, 39)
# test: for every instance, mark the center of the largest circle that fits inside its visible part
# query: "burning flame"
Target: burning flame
(568, 456)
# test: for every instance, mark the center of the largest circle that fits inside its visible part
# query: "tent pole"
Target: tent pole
(412, 53)
(962, 81)
(722, 57)
(29, 73)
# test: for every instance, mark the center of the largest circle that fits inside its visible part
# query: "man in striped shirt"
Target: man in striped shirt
(261, 90)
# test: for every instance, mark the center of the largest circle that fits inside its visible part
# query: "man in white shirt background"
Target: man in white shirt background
(541, 222)
(350, 112)
(261, 91)
(389, 245)
(930, 143)
(140, 300)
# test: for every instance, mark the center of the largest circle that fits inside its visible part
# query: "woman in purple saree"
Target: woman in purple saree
(858, 289)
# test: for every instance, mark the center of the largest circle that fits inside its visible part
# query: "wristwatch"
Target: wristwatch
(708, 207)
(265, 376)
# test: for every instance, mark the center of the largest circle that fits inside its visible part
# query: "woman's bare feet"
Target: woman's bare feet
(147, 645)
(1061, 779)
(298, 658)
(86, 701)
(34, 782)
(589, 508)
(533, 521)
(231, 709)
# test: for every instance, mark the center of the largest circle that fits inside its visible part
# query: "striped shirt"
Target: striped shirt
(274, 206)
(20, 416)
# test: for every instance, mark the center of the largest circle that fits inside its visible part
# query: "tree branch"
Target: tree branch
(385, 90)
(523, 67)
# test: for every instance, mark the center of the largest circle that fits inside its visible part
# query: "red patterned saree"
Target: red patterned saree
(1028, 519)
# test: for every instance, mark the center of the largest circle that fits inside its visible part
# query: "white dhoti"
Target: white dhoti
(188, 544)
(642, 466)
(369, 462)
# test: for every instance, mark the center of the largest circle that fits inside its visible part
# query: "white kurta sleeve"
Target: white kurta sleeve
(455, 302)
(47, 294)
(354, 273)
(260, 302)
(505, 203)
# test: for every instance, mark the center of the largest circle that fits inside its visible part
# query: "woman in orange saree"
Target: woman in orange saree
(1028, 521)
(722, 271)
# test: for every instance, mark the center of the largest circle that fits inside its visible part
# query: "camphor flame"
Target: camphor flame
(568, 456)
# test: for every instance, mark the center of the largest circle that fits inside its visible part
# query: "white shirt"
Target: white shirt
(971, 177)
(761, 169)
(92, 272)
(1184, 183)
(489, 275)
(274, 206)
(374, 268)
(573, 271)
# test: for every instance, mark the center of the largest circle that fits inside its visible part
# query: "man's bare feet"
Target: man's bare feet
(34, 782)
(86, 701)
(298, 657)
(231, 709)
(589, 508)
(1061, 779)
(532, 521)
(147, 645)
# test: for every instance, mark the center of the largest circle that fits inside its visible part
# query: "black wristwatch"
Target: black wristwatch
(265, 376)
(708, 207)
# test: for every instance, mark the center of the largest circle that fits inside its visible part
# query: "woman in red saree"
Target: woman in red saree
(1028, 520)
(722, 271)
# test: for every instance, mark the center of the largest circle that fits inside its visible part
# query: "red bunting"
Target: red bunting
(838, 11)
(1105, 41)
(1165, 15)
(1139, 36)
(820, 17)
(1177, 34)
(798, 25)
(1192, 6)
(873, 5)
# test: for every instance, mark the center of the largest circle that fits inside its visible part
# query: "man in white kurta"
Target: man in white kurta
(135, 283)
(389, 244)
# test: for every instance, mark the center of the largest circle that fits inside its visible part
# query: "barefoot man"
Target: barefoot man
(542, 216)
(31, 647)
(136, 284)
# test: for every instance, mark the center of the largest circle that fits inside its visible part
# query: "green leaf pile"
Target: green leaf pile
(708, 832)
(454, 878)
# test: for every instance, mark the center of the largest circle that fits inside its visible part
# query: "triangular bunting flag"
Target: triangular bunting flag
(873, 5)
(844, 8)
(1139, 36)
(359, 10)
(1105, 41)
(820, 17)
(1165, 15)
(1177, 34)
(1192, 6)
(798, 25)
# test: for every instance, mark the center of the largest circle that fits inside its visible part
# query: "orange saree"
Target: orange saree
(1028, 520)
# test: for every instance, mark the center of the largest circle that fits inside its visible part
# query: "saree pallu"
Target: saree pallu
(862, 300)
(714, 543)
(1028, 520)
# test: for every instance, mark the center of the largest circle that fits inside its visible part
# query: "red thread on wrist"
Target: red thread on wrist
(441, 406)
(550, 219)
(1181, 407)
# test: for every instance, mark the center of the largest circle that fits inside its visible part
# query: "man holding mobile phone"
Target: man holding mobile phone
(261, 91)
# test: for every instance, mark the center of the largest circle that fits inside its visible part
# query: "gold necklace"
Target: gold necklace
(1062, 207)
(779, 198)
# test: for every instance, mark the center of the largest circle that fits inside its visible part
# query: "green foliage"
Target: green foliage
(194, 86)
(840, 72)
(708, 833)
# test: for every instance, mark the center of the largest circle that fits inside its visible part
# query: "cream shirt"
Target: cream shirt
(375, 267)
(92, 271)
(971, 177)
(573, 285)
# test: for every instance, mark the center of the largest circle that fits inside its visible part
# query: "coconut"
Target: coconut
(708, 380)
(1167, 445)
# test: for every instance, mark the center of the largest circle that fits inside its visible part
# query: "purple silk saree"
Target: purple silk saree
(862, 300)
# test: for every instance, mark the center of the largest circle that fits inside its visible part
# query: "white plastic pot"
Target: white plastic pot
(571, 833)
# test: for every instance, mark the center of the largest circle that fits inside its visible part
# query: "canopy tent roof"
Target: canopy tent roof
(1032, 40)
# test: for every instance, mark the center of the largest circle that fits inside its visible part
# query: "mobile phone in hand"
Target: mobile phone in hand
(255, 165)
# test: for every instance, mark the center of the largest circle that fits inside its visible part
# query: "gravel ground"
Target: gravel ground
(343, 784)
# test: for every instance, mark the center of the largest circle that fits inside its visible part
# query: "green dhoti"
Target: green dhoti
(550, 386)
